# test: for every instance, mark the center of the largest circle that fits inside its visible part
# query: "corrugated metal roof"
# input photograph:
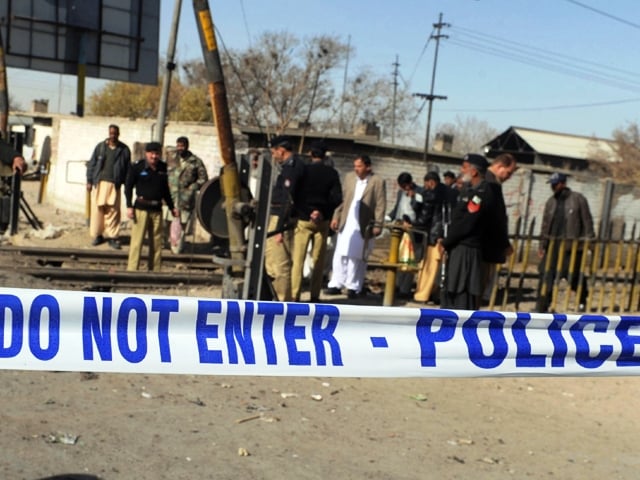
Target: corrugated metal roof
(564, 145)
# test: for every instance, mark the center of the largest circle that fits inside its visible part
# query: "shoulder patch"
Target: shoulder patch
(473, 205)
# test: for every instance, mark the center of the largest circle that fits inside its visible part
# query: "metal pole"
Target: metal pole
(82, 75)
(431, 97)
(4, 95)
(170, 67)
(395, 93)
(390, 284)
(344, 87)
(230, 179)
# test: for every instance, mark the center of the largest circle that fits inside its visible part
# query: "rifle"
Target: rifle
(446, 219)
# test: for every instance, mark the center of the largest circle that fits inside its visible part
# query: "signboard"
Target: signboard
(114, 39)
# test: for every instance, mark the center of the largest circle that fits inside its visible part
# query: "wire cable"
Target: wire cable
(542, 109)
(605, 14)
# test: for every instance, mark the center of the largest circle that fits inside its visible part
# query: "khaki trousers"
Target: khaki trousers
(105, 211)
(278, 261)
(151, 223)
(306, 232)
(428, 274)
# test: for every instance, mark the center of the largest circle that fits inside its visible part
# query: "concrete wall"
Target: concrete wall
(73, 141)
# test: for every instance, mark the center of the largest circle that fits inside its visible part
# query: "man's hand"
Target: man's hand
(334, 225)
(89, 187)
(376, 231)
(540, 252)
(508, 251)
(175, 212)
(19, 164)
(278, 237)
(316, 216)
(131, 213)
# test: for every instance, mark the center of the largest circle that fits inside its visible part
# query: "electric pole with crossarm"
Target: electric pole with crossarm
(430, 97)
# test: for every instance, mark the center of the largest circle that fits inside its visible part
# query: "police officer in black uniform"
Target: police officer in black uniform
(464, 282)
(278, 248)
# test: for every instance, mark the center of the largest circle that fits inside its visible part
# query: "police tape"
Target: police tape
(87, 331)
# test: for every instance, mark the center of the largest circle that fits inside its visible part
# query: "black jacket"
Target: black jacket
(120, 165)
(152, 186)
(496, 239)
(285, 190)
(578, 222)
(470, 217)
(319, 189)
(432, 213)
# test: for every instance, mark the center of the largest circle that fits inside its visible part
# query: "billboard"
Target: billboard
(114, 39)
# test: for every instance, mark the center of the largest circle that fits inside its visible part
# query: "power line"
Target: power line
(547, 60)
(605, 14)
(424, 49)
(553, 67)
(246, 23)
(430, 97)
(542, 109)
(538, 51)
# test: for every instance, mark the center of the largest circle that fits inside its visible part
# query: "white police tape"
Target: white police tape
(86, 331)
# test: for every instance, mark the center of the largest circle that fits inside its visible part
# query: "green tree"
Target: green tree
(134, 100)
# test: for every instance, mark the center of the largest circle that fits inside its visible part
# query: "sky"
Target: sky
(568, 66)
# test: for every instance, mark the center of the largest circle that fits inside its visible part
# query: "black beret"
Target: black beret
(318, 149)
(434, 176)
(153, 147)
(281, 141)
(477, 161)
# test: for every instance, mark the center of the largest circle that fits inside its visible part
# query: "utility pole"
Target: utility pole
(430, 97)
(170, 67)
(341, 127)
(395, 92)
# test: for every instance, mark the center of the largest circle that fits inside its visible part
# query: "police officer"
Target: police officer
(148, 177)
(464, 282)
(278, 248)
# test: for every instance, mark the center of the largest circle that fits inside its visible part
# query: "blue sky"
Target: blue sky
(562, 65)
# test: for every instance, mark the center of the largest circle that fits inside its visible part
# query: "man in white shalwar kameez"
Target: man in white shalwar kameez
(358, 220)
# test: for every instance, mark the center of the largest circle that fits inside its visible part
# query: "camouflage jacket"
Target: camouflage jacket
(185, 180)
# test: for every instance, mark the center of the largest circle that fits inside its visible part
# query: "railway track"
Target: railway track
(103, 270)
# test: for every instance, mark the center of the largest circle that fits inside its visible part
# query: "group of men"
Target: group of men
(307, 202)
(153, 182)
(458, 229)
(476, 240)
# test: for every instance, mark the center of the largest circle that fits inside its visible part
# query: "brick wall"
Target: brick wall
(73, 140)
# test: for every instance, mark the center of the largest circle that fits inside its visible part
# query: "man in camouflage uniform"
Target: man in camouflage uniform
(185, 179)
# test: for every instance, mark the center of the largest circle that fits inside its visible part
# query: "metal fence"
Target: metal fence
(603, 271)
